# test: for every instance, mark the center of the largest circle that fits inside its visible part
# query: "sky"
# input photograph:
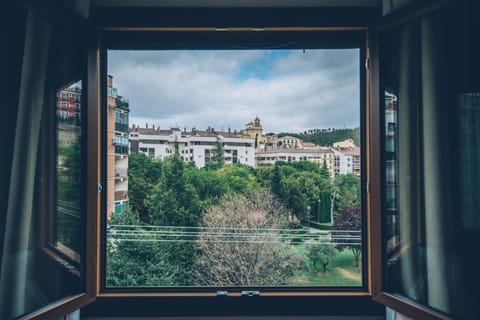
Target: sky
(289, 90)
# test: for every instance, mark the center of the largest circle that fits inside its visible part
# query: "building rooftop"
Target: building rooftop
(287, 150)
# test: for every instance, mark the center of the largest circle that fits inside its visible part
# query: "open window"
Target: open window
(418, 117)
(44, 229)
(240, 170)
(429, 120)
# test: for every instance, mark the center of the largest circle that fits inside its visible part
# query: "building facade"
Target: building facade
(317, 155)
(69, 101)
(193, 146)
(117, 150)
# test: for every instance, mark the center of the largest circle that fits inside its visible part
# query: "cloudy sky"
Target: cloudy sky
(289, 90)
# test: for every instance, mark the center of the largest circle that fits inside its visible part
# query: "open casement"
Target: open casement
(48, 262)
(425, 225)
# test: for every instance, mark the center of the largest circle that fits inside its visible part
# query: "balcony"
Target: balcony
(121, 195)
(121, 173)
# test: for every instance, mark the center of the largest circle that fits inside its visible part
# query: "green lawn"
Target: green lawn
(341, 271)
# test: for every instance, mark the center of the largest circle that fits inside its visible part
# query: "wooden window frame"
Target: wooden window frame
(122, 29)
(402, 16)
(122, 304)
(55, 12)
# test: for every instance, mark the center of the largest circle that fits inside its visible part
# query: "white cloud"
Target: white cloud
(293, 91)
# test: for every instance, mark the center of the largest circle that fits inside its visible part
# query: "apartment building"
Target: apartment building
(69, 101)
(193, 146)
(117, 150)
(317, 155)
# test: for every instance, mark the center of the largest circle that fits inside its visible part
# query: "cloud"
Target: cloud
(289, 90)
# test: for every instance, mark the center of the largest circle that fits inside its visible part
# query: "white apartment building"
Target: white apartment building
(317, 155)
(193, 146)
(347, 160)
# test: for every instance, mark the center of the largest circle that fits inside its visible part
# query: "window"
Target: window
(428, 146)
(428, 38)
(43, 234)
(68, 221)
(201, 223)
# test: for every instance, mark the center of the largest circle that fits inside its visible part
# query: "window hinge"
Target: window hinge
(99, 187)
(367, 63)
(367, 187)
(250, 293)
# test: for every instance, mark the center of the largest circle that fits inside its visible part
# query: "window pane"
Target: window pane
(44, 230)
(430, 146)
(239, 168)
(67, 237)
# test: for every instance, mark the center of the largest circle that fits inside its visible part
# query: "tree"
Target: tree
(143, 174)
(217, 157)
(242, 244)
(276, 181)
(303, 187)
(350, 219)
(70, 171)
(320, 253)
(348, 190)
(239, 179)
(264, 175)
(208, 185)
(135, 263)
(174, 202)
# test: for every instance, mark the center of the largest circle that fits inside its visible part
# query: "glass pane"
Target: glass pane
(44, 229)
(430, 186)
(234, 168)
(67, 236)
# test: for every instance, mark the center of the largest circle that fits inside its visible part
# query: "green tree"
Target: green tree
(217, 156)
(276, 181)
(264, 175)
(348, 190)
(320, 254)
(174, 202)
(239, 179)
(304, 187)
(209, 185)
(326, 137)
(69, 172)
(135, 263)
(295, 199)
(143, 174)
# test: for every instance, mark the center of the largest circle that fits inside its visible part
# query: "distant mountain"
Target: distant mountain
(326, 137)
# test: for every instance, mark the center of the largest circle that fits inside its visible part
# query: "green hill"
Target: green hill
(326, 137)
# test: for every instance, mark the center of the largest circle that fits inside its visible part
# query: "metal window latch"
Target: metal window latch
(222, 293)
(99, 187)
(250, 293)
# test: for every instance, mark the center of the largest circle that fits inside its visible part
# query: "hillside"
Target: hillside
(326, 137)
